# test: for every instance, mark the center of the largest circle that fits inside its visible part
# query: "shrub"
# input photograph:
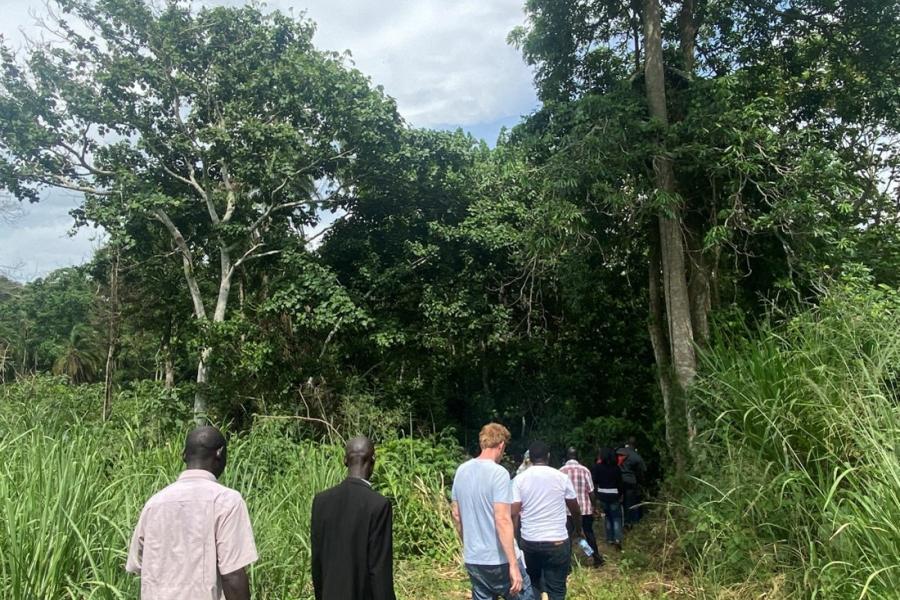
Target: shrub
(71, 489)
(798, 471)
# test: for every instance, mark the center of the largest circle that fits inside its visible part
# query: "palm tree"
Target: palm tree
(80, 359)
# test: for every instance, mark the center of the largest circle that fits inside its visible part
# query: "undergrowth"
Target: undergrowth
(797, 481)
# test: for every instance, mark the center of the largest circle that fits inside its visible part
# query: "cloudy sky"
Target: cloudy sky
(446, 62)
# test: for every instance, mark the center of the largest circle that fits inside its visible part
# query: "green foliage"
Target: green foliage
(71, 489)
(797, 466)
(47, 324)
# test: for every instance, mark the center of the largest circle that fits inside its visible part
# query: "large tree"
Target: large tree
(732, 136)
(225, 127)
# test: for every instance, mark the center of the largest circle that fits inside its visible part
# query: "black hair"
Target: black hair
(538, 451)
(608, 456)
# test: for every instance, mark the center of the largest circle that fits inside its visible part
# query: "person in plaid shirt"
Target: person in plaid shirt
(581, 479)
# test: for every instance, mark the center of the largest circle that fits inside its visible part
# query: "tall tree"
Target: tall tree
(225, 126)
(719, 128)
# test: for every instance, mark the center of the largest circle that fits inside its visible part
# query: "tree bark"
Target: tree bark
(687, 33)
(113, 334)
(699, 283)
(656, 328)
(200, 405)
(671, 254)
(168, 368)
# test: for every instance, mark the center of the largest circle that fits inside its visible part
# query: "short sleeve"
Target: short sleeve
(516, 491)
(570, 489)
(502, 491)
(235, 547)
(590, 479)
(453, 488)
(136, 549)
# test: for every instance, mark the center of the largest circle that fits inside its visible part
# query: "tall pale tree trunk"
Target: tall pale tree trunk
(113, 333)
(700, 281)
(673, 266)
(168, 368)
(659, 339)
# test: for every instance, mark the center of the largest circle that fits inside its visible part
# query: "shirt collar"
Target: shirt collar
(365, 481)
(572, 462)
(197, 474)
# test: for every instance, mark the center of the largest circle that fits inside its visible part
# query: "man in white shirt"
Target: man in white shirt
(193, 539)
(540, 498)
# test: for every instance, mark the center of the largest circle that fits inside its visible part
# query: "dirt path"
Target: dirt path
(642, 571)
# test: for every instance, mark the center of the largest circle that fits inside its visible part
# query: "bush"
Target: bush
(798, 471)
(71, 489)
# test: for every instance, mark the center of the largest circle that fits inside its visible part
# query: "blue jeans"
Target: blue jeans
(548, 565)
(490, 582)
(612, 510)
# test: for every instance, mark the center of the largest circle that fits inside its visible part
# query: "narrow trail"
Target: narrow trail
(643, 570)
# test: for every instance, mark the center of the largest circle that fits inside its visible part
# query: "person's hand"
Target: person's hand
(515, 579)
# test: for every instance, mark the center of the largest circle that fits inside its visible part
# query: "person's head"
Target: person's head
(608, 456)
(359, 457)
(631, 442)
(204, 448)
(493, 439)
(571, 453)
(539, 452)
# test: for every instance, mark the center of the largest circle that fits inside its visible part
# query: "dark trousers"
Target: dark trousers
(490, 582)
(548, 565)
(587, 526)
(632, 497)
(613, 513)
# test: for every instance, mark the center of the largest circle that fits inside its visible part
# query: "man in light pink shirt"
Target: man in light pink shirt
(193, 540)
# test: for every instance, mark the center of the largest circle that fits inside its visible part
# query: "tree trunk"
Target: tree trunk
(672, 410)
(3, 356)
(113, 334)
(687, 33)
(200, 404)
(168, 368)
(699, 283)
(671, 245)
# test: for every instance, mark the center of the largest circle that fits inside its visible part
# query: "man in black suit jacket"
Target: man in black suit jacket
(352, 552)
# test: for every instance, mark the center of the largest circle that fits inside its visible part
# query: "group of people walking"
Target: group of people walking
(194, 540)
(517, 534)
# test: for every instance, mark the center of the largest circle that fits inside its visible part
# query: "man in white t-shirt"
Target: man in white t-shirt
(540, 498)
(482, 499)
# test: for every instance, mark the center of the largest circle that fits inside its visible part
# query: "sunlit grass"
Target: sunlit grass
(798, 487)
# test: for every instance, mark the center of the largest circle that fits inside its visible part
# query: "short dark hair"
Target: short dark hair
(538, 450)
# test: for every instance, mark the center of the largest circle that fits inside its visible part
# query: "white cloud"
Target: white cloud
(39, 240)
(446, 62)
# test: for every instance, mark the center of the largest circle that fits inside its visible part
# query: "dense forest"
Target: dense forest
(694, 240)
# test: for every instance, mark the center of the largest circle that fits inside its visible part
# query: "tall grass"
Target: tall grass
(71, 490)
(798, 471)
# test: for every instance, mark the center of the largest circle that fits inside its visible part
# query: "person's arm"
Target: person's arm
(457, 519)
(575, 510)
(590, 483)
(572, 504)
(136, 549)
(315, 538)
(235, 548)
(503, 522)
(381, 554)
(236, 585)
(516, 512)
(620, 485)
